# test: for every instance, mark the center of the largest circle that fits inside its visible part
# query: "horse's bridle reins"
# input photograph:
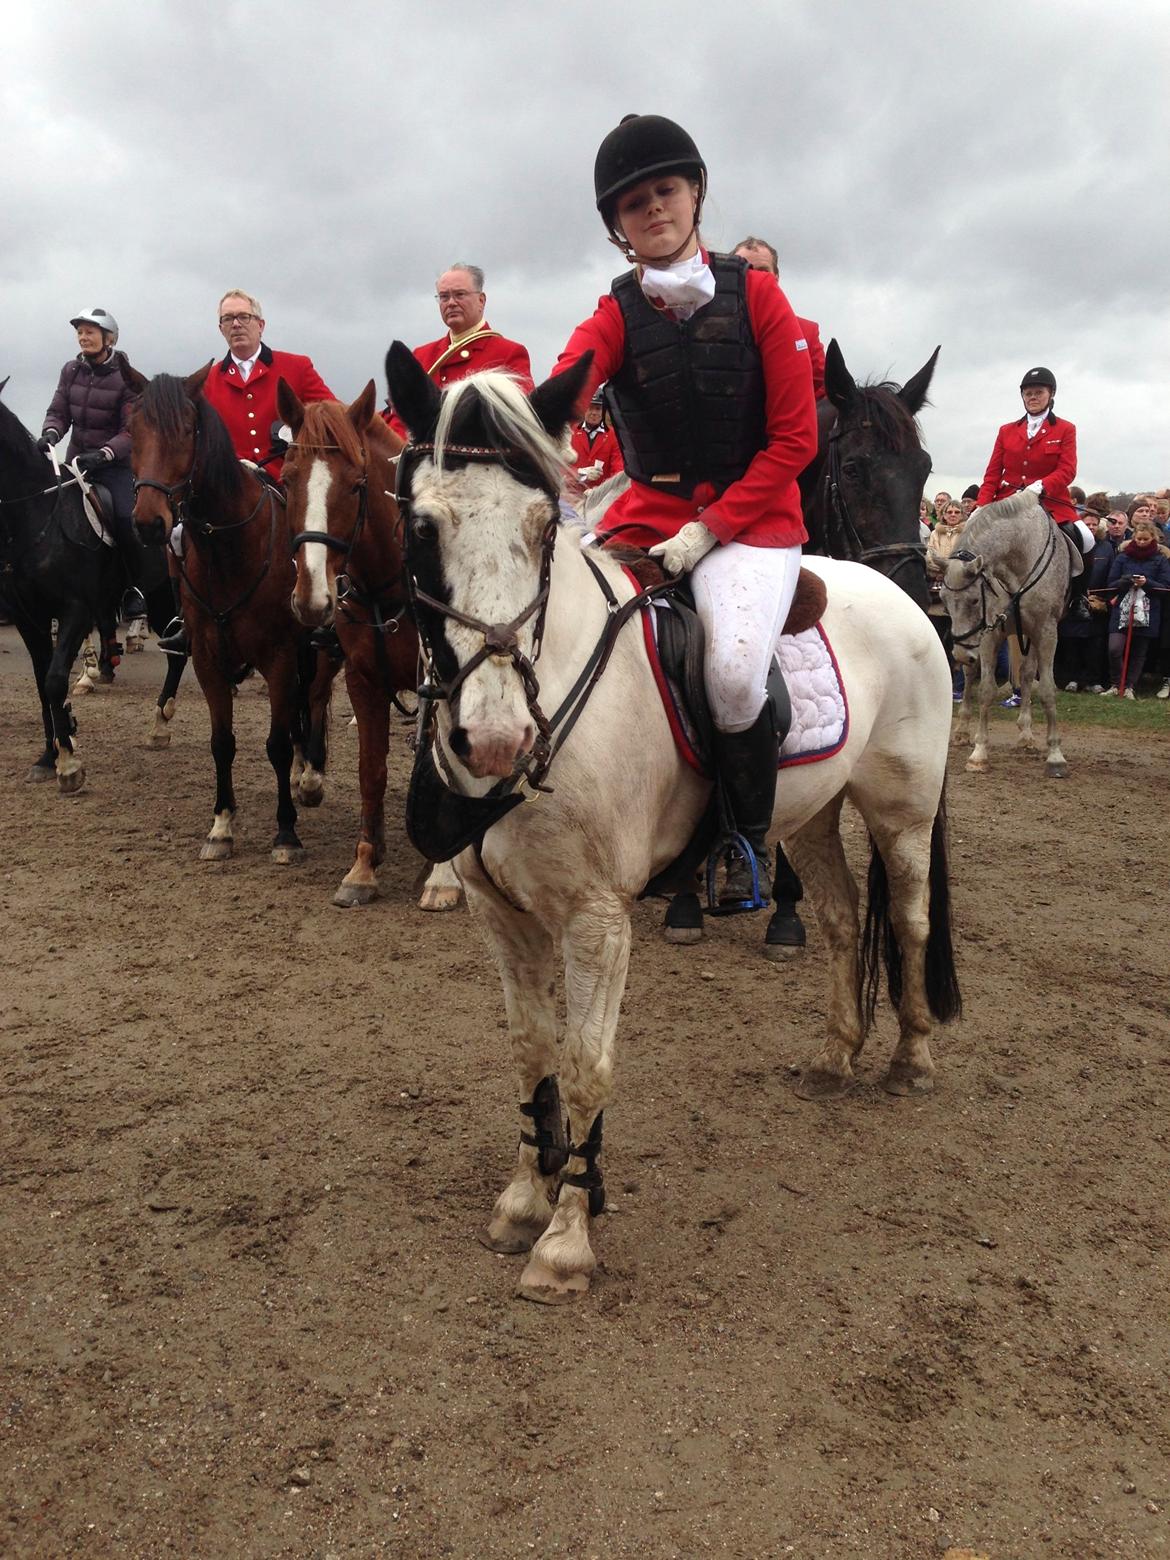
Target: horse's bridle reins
(981, 578)
(848, 543)
(501, 642)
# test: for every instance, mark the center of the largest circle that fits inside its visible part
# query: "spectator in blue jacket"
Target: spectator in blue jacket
(1139, 562)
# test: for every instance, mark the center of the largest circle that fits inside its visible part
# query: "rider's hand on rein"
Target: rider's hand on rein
(681, 553)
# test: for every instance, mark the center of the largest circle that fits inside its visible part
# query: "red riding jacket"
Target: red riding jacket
(603, 447)
(1050, 459)
(446, 363)
(248, 407)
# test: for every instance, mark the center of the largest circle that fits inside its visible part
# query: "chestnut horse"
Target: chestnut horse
(347, 541)
(236, 575)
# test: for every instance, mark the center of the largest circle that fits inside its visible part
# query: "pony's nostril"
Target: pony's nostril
(460, 746)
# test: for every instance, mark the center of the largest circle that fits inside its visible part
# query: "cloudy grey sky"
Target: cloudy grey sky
(986, 175)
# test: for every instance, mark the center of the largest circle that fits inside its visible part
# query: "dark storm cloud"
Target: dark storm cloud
(986, 177)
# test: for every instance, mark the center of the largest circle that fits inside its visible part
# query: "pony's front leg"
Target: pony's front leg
(220, 842)
(596, 944)
(371, 706)
(39, 644)
(524, 954)
(71, 630)
(817, 854)
(310, 783)
(1055, 763)
(281, 677)
(961, 731)
(977, 763)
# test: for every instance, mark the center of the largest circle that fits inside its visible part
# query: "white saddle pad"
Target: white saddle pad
(820, 710)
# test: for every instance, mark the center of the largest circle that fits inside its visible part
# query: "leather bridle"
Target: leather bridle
(843, 540)
(1012, 607)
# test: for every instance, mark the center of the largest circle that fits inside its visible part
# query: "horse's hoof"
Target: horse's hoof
(39, 773)
(216, 850)
(816, 1084)
(682, 925)
(548, 1287)
(1056, 771)
(349, 895)
(159, 739)
(81, 687)
(106, 676)
(288, 855)
(976, 766)
(905, 1080)
(782, 953)
(70, 781)
(311, 790)
(439, 899)
(682, 936)
(785, 936)
(509, 1238)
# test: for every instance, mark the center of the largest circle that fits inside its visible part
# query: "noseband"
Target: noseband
(501, 641)
(844, 541)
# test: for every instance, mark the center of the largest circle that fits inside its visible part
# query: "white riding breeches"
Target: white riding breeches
(1084, 536)
(743, 595)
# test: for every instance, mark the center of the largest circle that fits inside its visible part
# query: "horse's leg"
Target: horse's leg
(38, 641)
(71, 630)
(315, 716)
(219, 694)
(961, 731)
(977, 763)
(1055, 764)
(442, 889)
(596, 943)
(524, 953)
(371, 706)
(281, 677)
(785, 935)
(905, 853)
(164, 710)
(1027, 674)
(818, 855)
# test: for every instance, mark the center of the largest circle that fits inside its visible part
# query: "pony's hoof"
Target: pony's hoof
(682, 925)
(216, 850)
(311, 789)
(906, 1080)
(782, 953)
(39, 773)
(682, 936)
(71, 780)
(159, 739)
(81, 687)
(976, 766)
(509, 1238)
(287, 855)
(439, 899)
(1056, 771)
(548, 1287)
(349, 895)
(817, 1084)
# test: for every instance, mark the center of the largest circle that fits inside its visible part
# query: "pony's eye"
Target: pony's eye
(424, 528)
(853, 470)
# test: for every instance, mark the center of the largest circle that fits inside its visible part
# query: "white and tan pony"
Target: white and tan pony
(513, 611)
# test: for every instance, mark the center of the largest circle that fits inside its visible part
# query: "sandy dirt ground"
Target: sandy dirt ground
(249, 1140)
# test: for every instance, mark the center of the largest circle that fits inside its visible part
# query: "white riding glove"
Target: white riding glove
(590, 473)
(680, 554)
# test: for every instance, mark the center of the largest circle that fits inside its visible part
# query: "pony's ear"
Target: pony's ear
(414, 394)
(3, 382)
(361, 413)
(555, 401)
(840, 386)
(913, 393)
(137, 381)
(289, 405)
(193, 383)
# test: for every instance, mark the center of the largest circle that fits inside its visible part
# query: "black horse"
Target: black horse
(860, 496)
(53, 566)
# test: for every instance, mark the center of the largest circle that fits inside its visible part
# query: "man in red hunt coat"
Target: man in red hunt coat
(470, 344)
(760, 255)
(242, 388)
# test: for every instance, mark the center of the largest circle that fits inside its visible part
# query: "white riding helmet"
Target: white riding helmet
(102, 318)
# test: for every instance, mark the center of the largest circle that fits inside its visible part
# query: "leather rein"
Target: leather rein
(501, 641)
(843, 539)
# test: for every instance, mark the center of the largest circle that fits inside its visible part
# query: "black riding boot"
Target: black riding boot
(747, 762)
(174, 641)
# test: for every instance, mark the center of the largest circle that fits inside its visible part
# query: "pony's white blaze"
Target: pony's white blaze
(312, 600)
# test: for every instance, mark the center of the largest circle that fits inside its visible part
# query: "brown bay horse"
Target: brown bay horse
(236, 576)
(347, 539)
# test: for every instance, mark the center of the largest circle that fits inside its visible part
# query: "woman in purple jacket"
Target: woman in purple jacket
(93, 400)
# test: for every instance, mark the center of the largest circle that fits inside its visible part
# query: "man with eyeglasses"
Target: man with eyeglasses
(470, 345)
(242, 386)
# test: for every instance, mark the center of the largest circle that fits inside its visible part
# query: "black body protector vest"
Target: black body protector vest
(687, 404)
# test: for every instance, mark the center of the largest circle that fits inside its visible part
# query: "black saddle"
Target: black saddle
(1076, 561)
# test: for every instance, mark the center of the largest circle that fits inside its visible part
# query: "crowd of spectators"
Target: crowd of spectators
(1132, 548)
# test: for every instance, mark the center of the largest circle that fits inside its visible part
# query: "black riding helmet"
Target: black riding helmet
(643, 145)
(1042, 378)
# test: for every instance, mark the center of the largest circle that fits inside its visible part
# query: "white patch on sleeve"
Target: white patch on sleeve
(801, 344)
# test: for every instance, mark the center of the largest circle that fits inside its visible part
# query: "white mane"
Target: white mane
(509, 418)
